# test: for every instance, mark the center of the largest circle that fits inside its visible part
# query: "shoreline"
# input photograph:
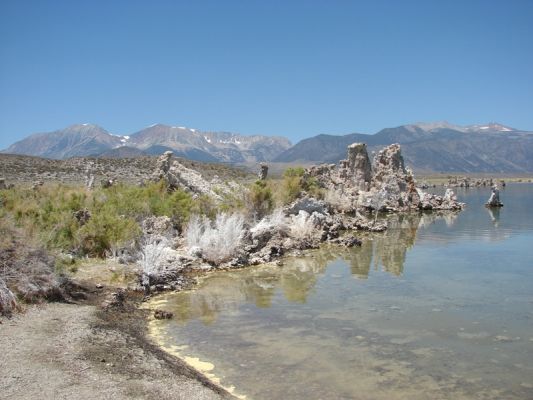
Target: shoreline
(155, 335)
(59, 350)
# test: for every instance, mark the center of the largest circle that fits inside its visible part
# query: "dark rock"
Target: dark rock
(162, 314)
(82, 216)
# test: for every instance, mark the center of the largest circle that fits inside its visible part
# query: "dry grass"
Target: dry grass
(27, 271)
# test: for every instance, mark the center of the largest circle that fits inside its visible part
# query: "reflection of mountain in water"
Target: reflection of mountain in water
(230, 289)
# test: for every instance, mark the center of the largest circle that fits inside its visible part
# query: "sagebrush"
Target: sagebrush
(218, 240)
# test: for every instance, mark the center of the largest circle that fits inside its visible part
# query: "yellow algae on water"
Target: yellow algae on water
(156, 331)
(202, 366)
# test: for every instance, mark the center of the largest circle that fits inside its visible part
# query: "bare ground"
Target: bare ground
(68, 351)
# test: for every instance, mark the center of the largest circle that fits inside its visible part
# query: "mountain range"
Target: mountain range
(431, 147)
(426, 147)
(92, 140)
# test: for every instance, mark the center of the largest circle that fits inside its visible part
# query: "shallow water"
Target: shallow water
(437, 307)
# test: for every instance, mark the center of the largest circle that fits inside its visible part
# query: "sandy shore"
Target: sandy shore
(66, 351)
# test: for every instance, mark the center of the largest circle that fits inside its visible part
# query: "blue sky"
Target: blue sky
(291, 68)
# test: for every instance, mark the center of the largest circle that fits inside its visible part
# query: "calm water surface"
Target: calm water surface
(438, 307)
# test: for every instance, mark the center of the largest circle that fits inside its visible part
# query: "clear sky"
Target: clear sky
(291, 68)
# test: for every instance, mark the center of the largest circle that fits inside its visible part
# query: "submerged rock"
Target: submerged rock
(162, 314)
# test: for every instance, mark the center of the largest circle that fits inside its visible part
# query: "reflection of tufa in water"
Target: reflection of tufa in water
(494, 213)
(228, 290)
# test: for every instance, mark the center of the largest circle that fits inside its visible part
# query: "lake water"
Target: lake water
(437, 307)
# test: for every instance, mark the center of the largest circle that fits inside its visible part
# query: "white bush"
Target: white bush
(302, 226)
(276, 221)
(218, 240)
(154, 256)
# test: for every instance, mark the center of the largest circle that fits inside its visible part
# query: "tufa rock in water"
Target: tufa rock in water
(386, 186)
(494, 199)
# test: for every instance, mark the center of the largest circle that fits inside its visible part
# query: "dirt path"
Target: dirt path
(62, 351)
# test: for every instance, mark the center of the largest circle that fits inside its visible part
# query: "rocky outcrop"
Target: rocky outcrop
(430, 201)
(178, 176)
(494, 200)
(385, 186)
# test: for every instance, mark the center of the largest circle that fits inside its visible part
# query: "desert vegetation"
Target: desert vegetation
(56, 224)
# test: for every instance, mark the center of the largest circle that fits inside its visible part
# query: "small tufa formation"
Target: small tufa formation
(494, 199)
(3, 185)
(263, 171)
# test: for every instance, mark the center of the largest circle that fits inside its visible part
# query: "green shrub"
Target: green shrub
(261, 199)
(295, 182)
(47, 213)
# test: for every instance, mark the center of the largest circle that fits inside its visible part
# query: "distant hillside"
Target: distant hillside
(437, 147)
(26, 170)
(91, 140)
(122, 152)
(76, 140)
